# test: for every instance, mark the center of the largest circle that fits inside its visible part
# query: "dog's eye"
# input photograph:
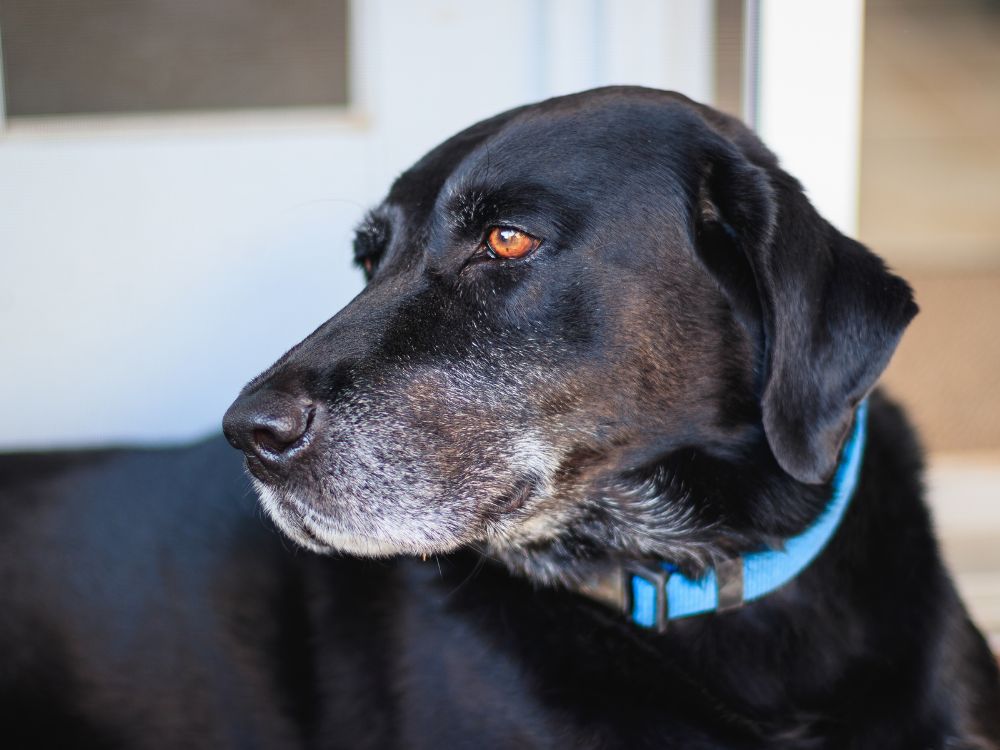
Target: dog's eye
(510, 243)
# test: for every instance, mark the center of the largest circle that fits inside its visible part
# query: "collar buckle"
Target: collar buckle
(644, 589)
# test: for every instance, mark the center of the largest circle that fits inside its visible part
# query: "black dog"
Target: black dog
(609, 377)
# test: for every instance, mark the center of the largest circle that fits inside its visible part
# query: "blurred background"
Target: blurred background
(179, 180)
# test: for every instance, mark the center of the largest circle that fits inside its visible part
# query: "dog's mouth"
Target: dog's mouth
(340, 525)
(322, 532)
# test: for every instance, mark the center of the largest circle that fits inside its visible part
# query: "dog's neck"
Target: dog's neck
(651, 593)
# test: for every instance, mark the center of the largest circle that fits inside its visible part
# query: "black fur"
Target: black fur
(671, 374)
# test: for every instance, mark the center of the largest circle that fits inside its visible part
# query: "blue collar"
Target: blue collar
(652, 594)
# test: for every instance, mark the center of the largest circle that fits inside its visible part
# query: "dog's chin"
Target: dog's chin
(325, 540)
(311, 530)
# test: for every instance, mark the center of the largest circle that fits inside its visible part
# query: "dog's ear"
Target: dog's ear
(826, 310)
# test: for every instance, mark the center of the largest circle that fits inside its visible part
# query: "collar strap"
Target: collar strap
(653, 593)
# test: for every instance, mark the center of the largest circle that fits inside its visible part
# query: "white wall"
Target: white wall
(151, 265)
(808, 107)
(146, 275)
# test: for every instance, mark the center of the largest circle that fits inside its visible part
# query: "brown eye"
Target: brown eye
(506, 242)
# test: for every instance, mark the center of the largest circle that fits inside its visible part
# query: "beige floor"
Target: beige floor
(930, 204)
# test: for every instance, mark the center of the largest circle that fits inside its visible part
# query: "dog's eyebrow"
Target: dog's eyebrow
(470, 208)
(371, 236)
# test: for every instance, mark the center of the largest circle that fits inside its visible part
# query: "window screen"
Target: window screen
(87, 56)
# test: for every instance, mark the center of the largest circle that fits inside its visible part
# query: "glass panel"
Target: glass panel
(70, 56)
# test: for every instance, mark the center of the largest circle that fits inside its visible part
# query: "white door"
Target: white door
(152, 263)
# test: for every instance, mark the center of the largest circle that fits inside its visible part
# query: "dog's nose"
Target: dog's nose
(269, 425)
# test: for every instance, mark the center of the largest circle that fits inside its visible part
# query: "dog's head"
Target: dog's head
(606, 324)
